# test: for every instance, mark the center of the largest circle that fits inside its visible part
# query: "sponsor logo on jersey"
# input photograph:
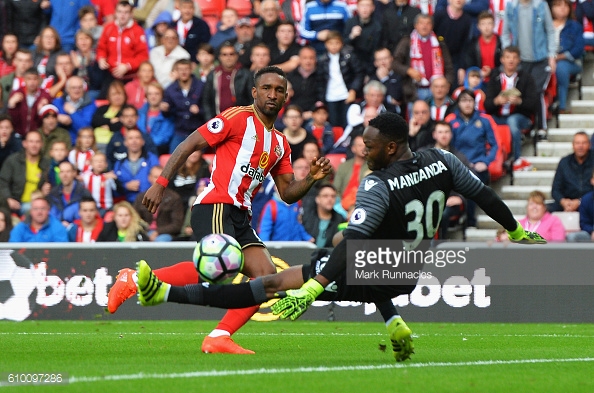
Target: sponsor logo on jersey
(264, 159)
(369, 184)
(215, 125)
(252, 172)
(358, 216)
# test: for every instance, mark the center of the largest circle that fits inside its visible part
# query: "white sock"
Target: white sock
(219, 333)
(135, 277)
(389, 321)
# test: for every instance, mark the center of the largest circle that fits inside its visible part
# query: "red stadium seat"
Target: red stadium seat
(209, 158)
(497, 168)
(336, 159)
(243, 7)
(211, 21)
(163, 158)
(211, 7)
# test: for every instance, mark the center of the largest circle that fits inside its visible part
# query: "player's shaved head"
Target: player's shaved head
(269, 70)
(391, 126)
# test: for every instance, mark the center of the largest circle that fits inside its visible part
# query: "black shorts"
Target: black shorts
(339, 290)
(224, 218)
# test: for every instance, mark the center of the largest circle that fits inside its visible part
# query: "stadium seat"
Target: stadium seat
(211, 21)
(336, 159)
(570, 220)
(211, 7)
(243, 7)
(209, 158)
(501, 165)
(163, 158)
(99, 103)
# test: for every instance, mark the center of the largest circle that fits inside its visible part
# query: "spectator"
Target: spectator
(49, 46)
(228, 85)
(427, 7)
(244, 41)
(25, 103)
(135, 89)
(349, 174)
(225, 28)
(206, 62)
(569, 50)
(420, 127)
(64, 69)
(384, 72)
(5, 225)
(413, 52)
(76, 108)
(572, 177)
(549, 226)
(259, 58)
(528, 25)
(472, 132)
(440, 103)
(64, 198)
(87, 228)
(167, 222)
(10, 44)
(164, 56)
(122, 47)
(472, 81)
(311, 151)
(93, 24)
(323, 222)
(23, 60)
(584, 14)
(9, 143)
(154, 34)
(132, 171)
(320, 17)
(15, 188)
(397, 20)
(85, 63)
(100, 183)
(296, 135)
(511, 97)
(64, 18)
(342, 77)
(267, 25)
(125, 227)
(116, 149)
(454, 205)
(364, 34)
(151, 120)
(39, 226)
(285, 54)
(49, 130)
(307, 89)
(27, 19)
(188, 176)
(84, 150)
(456, 27)
(106, 119)
(182, 102)
(484, 51)
(58, 154)
(192, 31)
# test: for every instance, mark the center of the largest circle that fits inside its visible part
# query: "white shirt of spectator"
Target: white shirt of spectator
(336, 89)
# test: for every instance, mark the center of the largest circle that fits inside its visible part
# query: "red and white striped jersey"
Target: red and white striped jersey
(100, 188)
(82, 159)
(245, 153)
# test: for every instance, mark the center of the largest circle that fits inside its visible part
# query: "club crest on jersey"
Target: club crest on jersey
(252, 172)
(278, 151)
(264, 158)
(215, 125)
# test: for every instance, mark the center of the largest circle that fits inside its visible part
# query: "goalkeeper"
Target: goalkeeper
(393, 202)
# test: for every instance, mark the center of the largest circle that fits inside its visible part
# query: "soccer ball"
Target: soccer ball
(218, 258)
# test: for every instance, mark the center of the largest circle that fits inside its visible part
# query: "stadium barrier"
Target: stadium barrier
(71, 282)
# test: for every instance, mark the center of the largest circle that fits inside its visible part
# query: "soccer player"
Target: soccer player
(247, 149)
(383, 210)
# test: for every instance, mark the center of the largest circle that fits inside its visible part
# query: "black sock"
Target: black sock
(222, 296)
(386, 308)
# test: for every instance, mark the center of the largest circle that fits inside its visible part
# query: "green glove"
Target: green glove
(519, 235)
(296, 301)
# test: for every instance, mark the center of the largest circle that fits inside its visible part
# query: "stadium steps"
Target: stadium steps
(566, 134)
(582, 107)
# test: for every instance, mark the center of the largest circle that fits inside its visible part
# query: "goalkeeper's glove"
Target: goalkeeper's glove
(519, 235)
(294, 302)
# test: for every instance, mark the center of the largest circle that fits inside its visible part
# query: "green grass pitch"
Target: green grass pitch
(306, 357)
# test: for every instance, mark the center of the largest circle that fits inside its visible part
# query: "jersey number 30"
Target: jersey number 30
(436, 200)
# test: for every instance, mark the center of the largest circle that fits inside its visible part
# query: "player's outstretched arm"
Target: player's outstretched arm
(291, 190)
(154, 195)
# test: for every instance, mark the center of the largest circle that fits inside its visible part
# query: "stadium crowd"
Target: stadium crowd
(96, 94)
